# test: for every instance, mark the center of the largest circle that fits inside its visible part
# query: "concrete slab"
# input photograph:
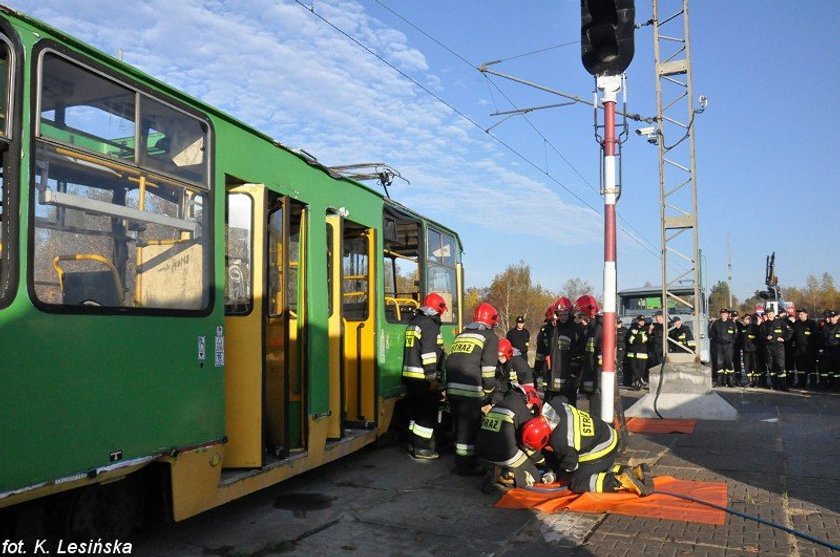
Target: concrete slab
(682, 391)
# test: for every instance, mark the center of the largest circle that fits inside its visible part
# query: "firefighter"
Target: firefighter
(562, 367)
(831, 349)
(512, 368)
(422, 357)
(585, 447)
(657, 338)
(621, 363)
(749, 348)
(471, 379)
(776, 333)
(681, 336)
(761, 352)
(637, 351)
(546, 338)
(587, 308)
(805, 335)
(791, 375)
(519, 336)
(722, 335)
(497, 441)
(737, 348)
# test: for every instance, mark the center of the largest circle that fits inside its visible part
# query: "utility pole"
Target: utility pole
(675, 114)
(607, 28)
(729, 268)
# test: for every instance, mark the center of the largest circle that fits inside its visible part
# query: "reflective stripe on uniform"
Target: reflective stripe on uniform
(596, 482)
(420, 431)
(515, 461)
(501, 414)
(429, 358)
(601, 449)
(413, 372)
(464, 390)
(463, 449)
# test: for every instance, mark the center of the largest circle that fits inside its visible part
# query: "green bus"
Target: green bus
(187, 305)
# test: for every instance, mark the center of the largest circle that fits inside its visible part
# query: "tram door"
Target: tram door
(352, 306)
(264, 346)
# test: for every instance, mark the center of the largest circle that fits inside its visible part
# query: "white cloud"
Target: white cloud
(278, 67)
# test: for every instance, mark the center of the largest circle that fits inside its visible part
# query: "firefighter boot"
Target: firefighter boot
(628, 481)
(642, 472)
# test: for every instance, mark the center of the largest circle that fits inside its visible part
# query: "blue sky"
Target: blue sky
(765, 146)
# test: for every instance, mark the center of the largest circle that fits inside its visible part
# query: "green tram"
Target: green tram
(183, 299)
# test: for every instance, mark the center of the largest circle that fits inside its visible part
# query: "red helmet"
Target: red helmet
(549, 313)
(587, 305)
(505, 348)
(532, 397)
(535, 433)
(436, 302)
(486, 314)
(563, 305)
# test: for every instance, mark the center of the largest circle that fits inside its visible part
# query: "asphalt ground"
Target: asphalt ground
(780, 461)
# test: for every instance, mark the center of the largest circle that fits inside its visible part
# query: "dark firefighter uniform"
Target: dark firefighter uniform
(421, 361)
(584, 446)
(790, 355)
(471, 379)
(562, 365)
(657, 337)
(831, 351)
(776, 333)
(749, 347)
(592, 356)
(545, 340)
(723, 334)
(637, 352)
(682, 337)
(520, 339)
(515, 370)
(498, 439)
(805, 335)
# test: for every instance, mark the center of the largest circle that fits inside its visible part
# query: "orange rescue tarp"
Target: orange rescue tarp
(653, 506)
(653, 425)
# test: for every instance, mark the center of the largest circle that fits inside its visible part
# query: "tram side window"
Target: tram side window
(355, 277)
(238, 255)
(441, 273)
(401, 266)
(6, 253)
(110, 231)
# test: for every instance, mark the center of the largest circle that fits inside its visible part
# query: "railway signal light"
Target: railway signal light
(606, 35)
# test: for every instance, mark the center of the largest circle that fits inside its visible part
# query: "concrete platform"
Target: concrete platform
(682, 391)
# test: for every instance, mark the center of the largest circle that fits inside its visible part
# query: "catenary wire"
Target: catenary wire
(468, 119)
(542, 136)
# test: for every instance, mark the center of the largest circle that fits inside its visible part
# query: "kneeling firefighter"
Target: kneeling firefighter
(584, 446)
(497, 441)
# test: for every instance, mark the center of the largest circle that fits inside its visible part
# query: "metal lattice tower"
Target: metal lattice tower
(677, 172)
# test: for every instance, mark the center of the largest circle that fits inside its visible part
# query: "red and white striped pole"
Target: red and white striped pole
(609, 85)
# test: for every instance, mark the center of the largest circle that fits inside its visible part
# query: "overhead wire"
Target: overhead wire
(462, 114)
(545, 139)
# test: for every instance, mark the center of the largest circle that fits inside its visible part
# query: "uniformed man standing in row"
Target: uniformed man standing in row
(806, 338)
(470, 382)
(776, 332)
(749, 347)
(831, 349)
(723, 334)
(681, 337)
(560, 352)
(637, 351)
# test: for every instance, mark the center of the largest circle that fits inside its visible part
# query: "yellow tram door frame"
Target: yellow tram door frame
(358, 315)
(244, 348)
(335, 225)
